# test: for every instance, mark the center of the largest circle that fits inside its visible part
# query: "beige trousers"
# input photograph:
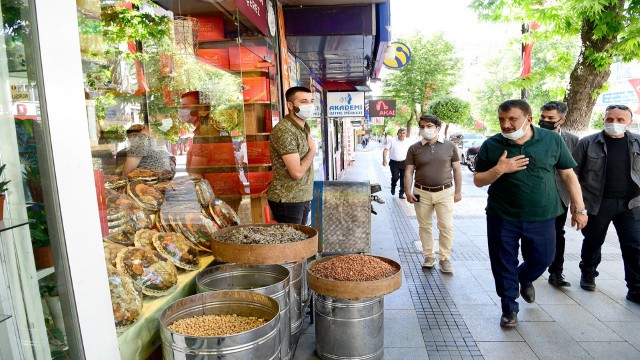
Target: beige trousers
(442, 203)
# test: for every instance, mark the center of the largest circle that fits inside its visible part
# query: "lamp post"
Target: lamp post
(524, 93)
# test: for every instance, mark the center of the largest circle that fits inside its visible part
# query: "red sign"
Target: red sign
(256, 12)
(382, 108)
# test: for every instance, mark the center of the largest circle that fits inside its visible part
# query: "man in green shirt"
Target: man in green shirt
(292, 151)
(519, 165)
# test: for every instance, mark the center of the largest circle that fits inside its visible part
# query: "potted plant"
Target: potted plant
(31, 174)
(3, 190)
(40, 237)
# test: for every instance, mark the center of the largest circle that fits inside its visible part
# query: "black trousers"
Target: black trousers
(397, 173)
(627, 224)
(558, 261)
(290, 213)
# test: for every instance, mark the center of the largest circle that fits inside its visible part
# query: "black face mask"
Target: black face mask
(549, 125)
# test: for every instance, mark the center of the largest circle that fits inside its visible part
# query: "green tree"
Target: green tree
(433, 71)
(451, 110)
(608, 30)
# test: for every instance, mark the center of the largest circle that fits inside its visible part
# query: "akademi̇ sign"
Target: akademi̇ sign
(345, 104)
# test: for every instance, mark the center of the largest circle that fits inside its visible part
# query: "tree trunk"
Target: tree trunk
(585, 78)
(446, 131)
(409, 122)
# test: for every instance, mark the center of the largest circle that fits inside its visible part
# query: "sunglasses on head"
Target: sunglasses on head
(619, 107)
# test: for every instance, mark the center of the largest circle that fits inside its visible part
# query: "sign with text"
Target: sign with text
(345, 104)
(256, 12)
(382, 108)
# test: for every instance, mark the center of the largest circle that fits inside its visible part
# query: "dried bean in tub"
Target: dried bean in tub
(216, 325)
(262, 235)
(354, 267)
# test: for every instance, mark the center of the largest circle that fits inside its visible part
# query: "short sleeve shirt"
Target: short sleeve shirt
(398, 149)
(288, 137)
(153, 156)
(530, 194)
(433, 162)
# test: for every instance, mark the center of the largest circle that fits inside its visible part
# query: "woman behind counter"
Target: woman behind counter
(144, 151)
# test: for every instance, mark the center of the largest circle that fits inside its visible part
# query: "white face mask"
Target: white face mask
(185, 115)
(305, 112)
(428, 134)
(518, 134)
(615, 129)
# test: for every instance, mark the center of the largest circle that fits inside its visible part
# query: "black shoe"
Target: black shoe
(556, 279)
(401, 196)
(393, 191)
(509, 320)
(634, 296)
(528, 293)
(588, 282)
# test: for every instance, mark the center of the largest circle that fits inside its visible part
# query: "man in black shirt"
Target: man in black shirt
(609, 174)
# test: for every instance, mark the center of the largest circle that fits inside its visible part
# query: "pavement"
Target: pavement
(456, 316)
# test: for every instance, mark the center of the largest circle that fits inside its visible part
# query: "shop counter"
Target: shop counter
(143, 337)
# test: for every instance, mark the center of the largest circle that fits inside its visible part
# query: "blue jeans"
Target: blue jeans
(627, 224)
(290, 213)
(538, 249)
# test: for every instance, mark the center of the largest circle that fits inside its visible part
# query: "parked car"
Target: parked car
(467, 141)
(472, 154)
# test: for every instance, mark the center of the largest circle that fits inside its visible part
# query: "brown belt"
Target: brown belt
(434, 189)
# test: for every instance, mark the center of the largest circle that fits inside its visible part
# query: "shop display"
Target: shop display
(115, 182)
(144, 195)
(177, 249)
(121, 238)
(216, 325)
(111, 251)
(144, 238)
(125, 299)
(145, 175)
(148, 269)
(223, 214)
(354, 267)
(205, 193)
(260, 235)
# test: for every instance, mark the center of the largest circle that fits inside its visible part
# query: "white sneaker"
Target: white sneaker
(446, 267)
(429, 262)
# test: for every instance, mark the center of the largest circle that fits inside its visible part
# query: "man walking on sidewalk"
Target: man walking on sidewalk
(396, 149)
(437, 165)
(609, 173)
(552, 117)
(519, 165)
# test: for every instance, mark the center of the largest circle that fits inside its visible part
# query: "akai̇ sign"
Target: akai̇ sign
(382, 108)
(345, 104)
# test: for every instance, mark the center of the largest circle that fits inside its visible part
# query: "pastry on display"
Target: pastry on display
(193, 227)
(149, 269)
(176, 248)
(122, 238)
(111, 251)
(204, 192)
(115, 182)
(164, 175)
(126, 301)
(145, 195)
(144, 238)
(223, 214)
(144, 175)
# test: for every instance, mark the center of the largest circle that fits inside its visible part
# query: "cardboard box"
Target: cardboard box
(258, 181)
(210, 28)
(214, 57)
(258, 152)
(256, 89)
(248, 58)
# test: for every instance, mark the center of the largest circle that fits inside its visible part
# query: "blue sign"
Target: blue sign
(620, 97)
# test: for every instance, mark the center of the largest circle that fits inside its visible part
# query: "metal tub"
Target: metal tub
(271, 280)
(348, 329)
(260, 343)
(297, 291)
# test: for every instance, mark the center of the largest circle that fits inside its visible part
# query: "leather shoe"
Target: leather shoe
(634, 296)
(509, 320)
(556, 279)
(528, 293)
(393, 191)
(588, 282)
(401, 196)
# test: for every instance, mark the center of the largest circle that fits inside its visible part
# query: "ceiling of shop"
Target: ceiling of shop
(328, 2)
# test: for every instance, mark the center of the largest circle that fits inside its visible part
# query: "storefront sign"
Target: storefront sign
(382, 108)
(377, 121)
(256, 12)
(397, 55)
(345, 104)
(17, 95)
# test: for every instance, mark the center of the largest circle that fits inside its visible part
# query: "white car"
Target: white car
(467, 141)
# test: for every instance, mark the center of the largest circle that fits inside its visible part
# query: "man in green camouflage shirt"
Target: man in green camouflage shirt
(292, 151)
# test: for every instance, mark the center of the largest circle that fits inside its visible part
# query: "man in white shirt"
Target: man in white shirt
(397, 149)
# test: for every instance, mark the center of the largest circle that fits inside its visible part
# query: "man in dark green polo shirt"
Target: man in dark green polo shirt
(292, 150)
(519, 165)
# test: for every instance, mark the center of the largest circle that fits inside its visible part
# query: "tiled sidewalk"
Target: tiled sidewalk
(439, 316)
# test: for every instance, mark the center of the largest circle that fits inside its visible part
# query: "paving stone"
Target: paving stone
(506, 350)
(628, 331)
(305, 350)
(580, 324)
(611, 350)
(401, 329)
(405, 353)
(548, 340)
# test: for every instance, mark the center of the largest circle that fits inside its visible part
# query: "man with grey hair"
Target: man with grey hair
(397, 148)
(552, 117)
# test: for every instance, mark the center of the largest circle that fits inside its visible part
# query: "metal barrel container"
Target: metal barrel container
(348, 329)
(296, 290)
(271, 280)
(260, 343)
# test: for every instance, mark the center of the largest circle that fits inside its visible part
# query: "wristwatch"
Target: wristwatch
(580, 212)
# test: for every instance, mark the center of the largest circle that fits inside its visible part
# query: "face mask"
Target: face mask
(305, 112)
(549, 125)
(428, 134)
(185, 115)
(516, 135)
(615, 129)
